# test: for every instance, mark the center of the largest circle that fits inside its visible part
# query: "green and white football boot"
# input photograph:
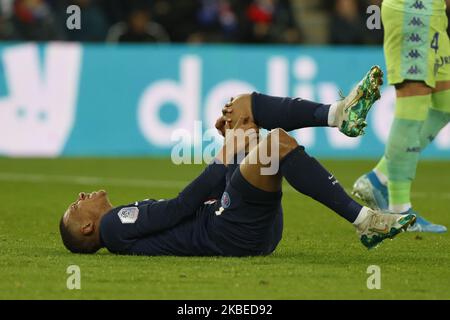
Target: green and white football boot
(379, 226)
(351, 111)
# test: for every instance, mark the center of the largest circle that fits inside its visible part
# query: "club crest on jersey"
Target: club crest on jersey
(128, 215)
(225, 201)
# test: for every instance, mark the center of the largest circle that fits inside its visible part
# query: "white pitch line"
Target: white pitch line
(139, 183)
(89, 180)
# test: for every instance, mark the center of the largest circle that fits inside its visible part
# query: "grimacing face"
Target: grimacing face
(84, 214)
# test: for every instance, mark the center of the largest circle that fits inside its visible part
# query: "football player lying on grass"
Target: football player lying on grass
(248, 219)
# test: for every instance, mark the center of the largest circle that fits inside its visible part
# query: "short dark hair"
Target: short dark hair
(75, 244)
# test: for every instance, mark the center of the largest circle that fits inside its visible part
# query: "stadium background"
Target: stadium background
(70, 121)
(151, 67)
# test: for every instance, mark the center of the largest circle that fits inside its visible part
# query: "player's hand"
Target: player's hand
(220, 124)
(224, 119)
(238, 139)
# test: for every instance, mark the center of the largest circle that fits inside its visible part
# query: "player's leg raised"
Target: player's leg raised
(348, 114)
(307, 176)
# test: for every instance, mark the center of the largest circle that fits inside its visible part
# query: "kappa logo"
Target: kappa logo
(128, 215)
(414, 70)
(418, 5)
(416, 21)
(414, 37)
(414, 54)
(225, 201)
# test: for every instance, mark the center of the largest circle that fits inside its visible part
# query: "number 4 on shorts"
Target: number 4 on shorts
(435, 42)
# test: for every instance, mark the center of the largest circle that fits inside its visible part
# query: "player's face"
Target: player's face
(88, 206)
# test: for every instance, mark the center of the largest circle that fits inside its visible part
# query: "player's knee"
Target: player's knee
(413, 101)
(286, 142)
(242, 101)
(441, 86)
(412, 88)
(441, 99)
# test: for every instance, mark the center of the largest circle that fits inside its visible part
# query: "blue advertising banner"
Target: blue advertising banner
(62, 99)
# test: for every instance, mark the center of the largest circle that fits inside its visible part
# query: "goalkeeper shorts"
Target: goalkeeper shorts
(416, 46)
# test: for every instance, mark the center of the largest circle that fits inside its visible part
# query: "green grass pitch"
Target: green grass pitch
(320, 256)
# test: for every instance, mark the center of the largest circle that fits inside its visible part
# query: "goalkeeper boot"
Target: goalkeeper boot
(371, 191)
(378, 226)
(351, 111)
(423, 225)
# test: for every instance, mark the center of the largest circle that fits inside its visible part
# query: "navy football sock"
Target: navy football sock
(289, 114)
(307, 176)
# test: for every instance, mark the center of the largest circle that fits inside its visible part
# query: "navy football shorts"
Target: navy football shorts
(249, 220)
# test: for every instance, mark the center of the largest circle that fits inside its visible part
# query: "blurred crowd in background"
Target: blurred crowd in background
(192, 21)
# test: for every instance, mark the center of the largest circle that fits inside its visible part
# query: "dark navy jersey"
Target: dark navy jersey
(245, 221)
(131, 229)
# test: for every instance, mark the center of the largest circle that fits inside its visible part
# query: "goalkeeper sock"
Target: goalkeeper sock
(289, 114)
(381, 172)
(307, 176)
(403, 149)
(438, 117)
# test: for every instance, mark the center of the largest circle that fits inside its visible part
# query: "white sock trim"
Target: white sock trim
(399, 208)
(363, 214)
(332, 115)
(381, 176)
